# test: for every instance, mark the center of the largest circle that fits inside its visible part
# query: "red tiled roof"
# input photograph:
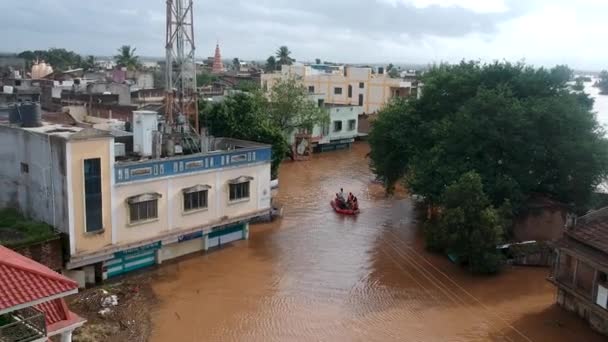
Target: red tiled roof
(54, 309)
(57, 315)
(23, 280)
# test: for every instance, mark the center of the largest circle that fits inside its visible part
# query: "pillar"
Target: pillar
(158, 256)
(246, 231)
(205, 242)
(66, 336)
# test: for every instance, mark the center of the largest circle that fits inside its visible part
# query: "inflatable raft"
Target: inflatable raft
(343, 211)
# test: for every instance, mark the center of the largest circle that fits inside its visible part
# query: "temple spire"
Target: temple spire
(218, 66)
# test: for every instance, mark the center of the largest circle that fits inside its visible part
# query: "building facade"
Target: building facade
(580, 270)
(122, 212)
(345, 85)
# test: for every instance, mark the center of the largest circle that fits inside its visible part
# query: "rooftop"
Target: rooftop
(592, 230)
(23, 280)
(58, 124)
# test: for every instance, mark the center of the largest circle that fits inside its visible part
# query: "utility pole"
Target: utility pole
(180, 78)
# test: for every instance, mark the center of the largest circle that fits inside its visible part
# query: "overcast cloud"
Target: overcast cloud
(543, 32)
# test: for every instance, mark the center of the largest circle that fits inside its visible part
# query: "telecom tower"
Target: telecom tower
(180, 78)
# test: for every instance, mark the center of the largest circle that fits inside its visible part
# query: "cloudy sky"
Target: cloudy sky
(542, 32)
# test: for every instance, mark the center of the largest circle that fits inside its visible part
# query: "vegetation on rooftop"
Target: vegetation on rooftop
(17, 230)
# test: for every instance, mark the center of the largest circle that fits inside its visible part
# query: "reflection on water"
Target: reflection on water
(601, 103)
(318, 276)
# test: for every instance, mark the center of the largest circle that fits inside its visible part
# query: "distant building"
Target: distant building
(346, 85)
(580, 270)
(32, 305)
(12, 66)
(128, 200)
(19, 90)
(218, 65)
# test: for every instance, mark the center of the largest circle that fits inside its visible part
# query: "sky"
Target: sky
(539, 32)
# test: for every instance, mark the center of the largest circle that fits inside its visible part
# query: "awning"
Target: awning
(241, 179)
(144, 197)
(196, 188)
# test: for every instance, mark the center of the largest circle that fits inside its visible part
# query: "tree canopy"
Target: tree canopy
(59, 59)
(522, 129)
(243, 116)
(265, 118)
(126, 58)
(271, 64)
(290, 107)
(469, 228)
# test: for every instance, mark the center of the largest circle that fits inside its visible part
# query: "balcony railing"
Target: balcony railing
(22, 326)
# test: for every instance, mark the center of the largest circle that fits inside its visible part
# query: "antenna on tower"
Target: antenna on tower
(180, 78)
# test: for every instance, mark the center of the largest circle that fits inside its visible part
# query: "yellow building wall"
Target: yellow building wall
(80, 150)
(171, 215)
(376, 93)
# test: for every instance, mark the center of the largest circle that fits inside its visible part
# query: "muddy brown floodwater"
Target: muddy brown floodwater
(318, 276)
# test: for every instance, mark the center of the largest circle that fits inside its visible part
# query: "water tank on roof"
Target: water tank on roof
(29, 114)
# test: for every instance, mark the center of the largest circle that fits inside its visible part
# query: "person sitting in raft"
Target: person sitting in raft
(340, 201)
(349, 202)
(355, 204)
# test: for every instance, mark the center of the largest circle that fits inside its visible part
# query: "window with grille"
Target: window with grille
(337, 126)
(195, 200)
(143, 211)
(337, 91)
(352, 124)
(239, 191)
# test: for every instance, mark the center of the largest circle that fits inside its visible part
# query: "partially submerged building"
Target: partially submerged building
(580, 270)
(122, 206)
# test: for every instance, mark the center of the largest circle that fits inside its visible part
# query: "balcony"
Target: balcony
(24, 325)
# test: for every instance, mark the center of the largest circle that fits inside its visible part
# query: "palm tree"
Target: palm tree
(283, 56)
(126, 57)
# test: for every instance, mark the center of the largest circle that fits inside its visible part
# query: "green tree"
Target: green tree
(126, 58)
(241, 116)
(59, 59)
(290, 107)
(236, 63)
(283, 56)
(271, 64)
(603, 82)
(318, 61)
(88, 63)
(469, 227)
(247, 86)
(205, 78)
(521, 129)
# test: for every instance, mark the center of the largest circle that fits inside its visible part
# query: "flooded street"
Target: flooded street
(318, 276)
